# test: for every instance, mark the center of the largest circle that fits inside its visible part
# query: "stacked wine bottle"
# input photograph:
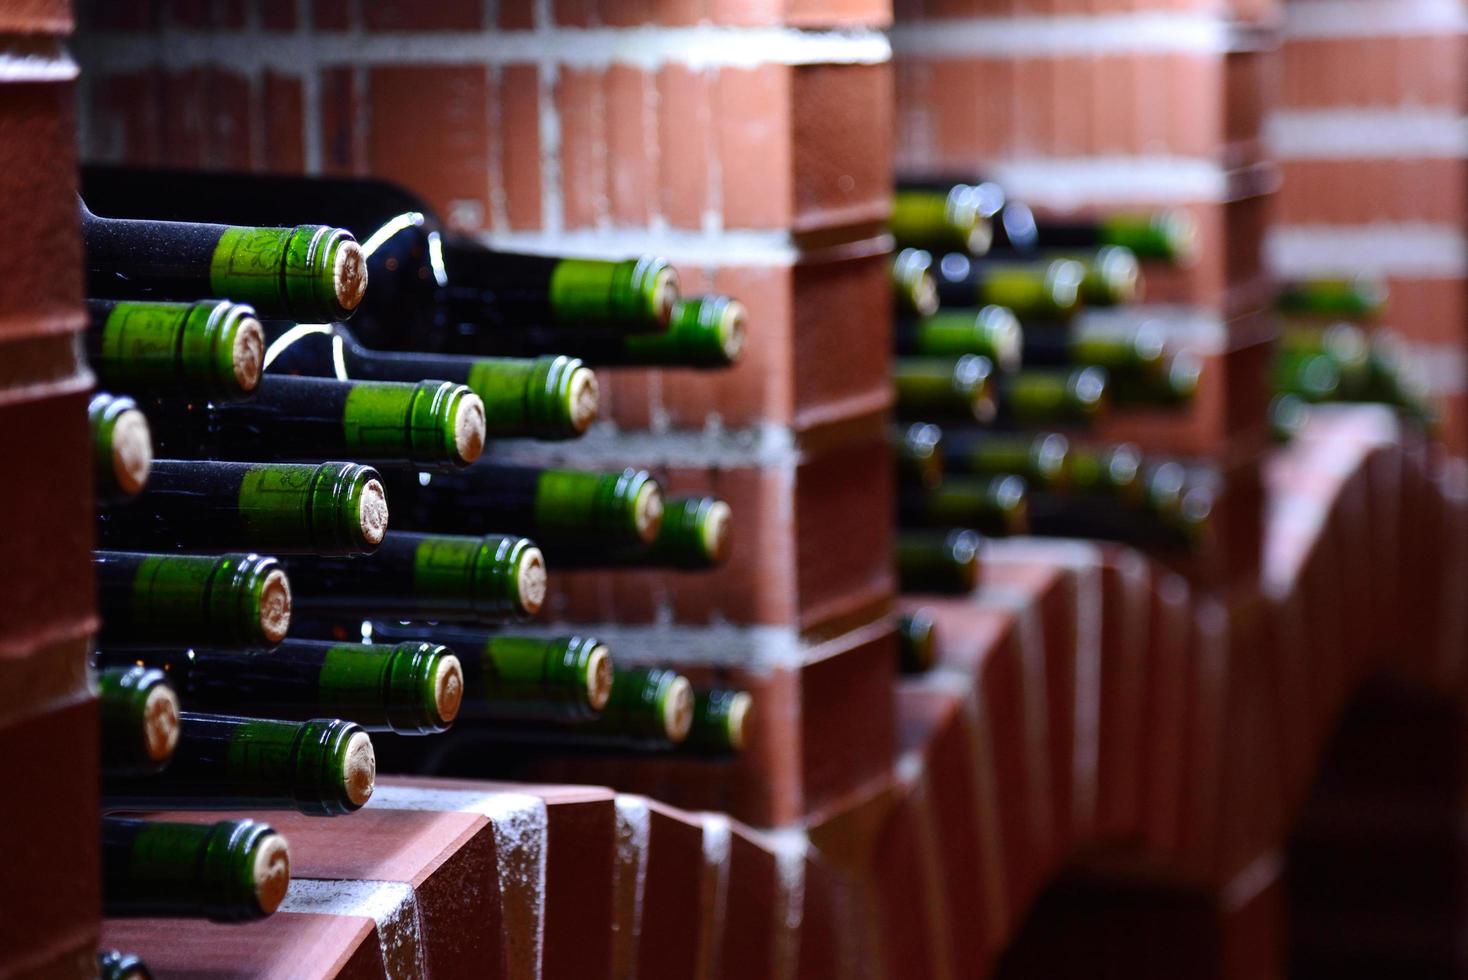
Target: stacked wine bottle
(306, 556)
(1334, 349)
(1013, 338)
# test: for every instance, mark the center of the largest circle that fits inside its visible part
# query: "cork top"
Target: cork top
(530, 580)
(349, 274)
(598, 677)
(372, 512)
(739, 706)
(132, 451)
(664, 294)
(359, 768)
(271, 872)
(160, 723)
(714, 534)
(275, 606)
(731, 329)
(469, 427)
(647, 511)
(678, 709)
(448, 688)
(247, 354)
(583, 398)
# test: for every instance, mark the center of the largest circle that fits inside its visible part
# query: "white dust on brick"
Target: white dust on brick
(1373, 18)
(390, 904)
(634, 828)
(1415, 250)
(790, 848)
(1063, 183)
(1151, 32)
(717, 839)
(1351, 133)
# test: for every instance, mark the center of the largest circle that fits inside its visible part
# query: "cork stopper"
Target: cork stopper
(739, 706)
(448, 688)
(530, 581)
(678, 710)
(132, 451)
(664, 294)
(647, 511)
(731, 329)
(598, 677)
(271, 872)
(469, 427)
(584, 398)
(275, 606)
(372, 512)
(248, 353)
(349, 274)
(714, 534)
(359, 768)
(160, 723)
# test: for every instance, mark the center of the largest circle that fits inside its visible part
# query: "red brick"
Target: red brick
(685, 140)
(284, 124)
(1422, 70)
(668, 939)
(841, 119)
(518, 136)
(1165, 710)
(915, 942)
(755, 156)
(517, 14)
(228, 117)
(632, 172)
(341, 102)
(841, 327)
(343, 946)
(575, 13)
(123, 123)
(404, 15)
(579, 102)
(1354, 192)
(278, 15)
(1127, 581)
(331, 15)
(429, 131)
(753, 915)
(838, 13)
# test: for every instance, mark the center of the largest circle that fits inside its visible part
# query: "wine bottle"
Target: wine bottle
(431, 424)
(917, 641)
(1108, 471)
(703, 332)
(1011, 223)
(720, 720)
(231, 871)
(412, 688)
(308, 272)
(694, 534)
(114, 964)
(521, 678)
(940, 562)
(454, 578)
(139, 718)
(564, 510)
(1356, 298)
(430, 289)
(173, 601)
(918, 454)
(932, 387)
(1169, 235)
(1042, 458)
(1049, 289)
(299, 508)
(122, 445)
(1310, 377)
(914, 289)
(211, 349)
(1182, 525)
(1344, 343)
(1139, 351)
(551, 397)
(991, 332)
(955, 220)
(1031, 398)
(1111, 275)
(1176, 385)
(646, 704)
(322, 767)
(991, 505)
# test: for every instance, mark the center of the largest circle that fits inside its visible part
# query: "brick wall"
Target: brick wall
(747, 141)
(1370, 135)
(47, 716)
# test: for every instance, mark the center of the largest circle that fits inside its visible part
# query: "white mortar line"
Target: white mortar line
(1408, 249)
(1065, 183)
(1367, 134)
(33, 61)
(1150, 32)
(1372, 18)
(764, 446)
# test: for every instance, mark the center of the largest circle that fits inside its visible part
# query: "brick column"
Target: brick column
(1371, 137)
(48, 733)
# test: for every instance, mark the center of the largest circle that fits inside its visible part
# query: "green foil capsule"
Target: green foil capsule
(1113, 471)
(1176, 386)
(113, 964)
(914, 288)
(138, 710)
(938, 562)
(1043, 458)
(1311, 377)
(917, 641)
(931, 387)
(212, 348)
(695, 533)
(632, 291)
(941, 220)
(647, 704)
(1345, 343)
(412, 688)
(720, 721)
(704, 331)
(991, 505)
(452, 578)
(286, 508)
(232, 871)
(322, 767)
(1032, 398)
(1344, 298)
(160, 601)
(122, 445)
(992, 332)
